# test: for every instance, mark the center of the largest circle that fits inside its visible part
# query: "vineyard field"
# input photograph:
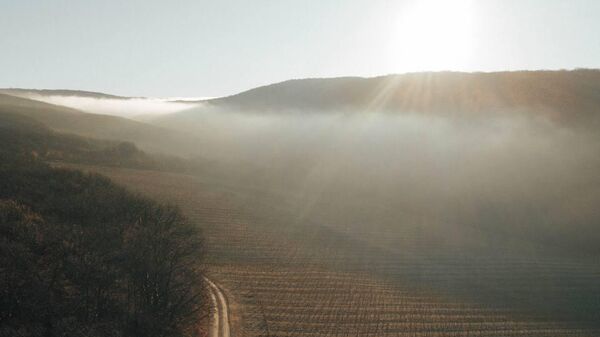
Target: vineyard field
(306, 279)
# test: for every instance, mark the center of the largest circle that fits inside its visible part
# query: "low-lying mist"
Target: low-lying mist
(501, 181)
(134, 108)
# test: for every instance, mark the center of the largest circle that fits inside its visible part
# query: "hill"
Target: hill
(149, 137)
(22, 135)
(561, 95)
(21, 92)
(81, 256)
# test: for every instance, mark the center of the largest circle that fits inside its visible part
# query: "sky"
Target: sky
(195, 48)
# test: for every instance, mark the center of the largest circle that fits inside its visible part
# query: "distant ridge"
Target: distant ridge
(562, 94)
(59, 92)
(150, 137)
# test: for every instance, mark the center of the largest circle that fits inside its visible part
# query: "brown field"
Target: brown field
(291, 276)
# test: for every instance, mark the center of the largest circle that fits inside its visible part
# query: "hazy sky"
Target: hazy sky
(213, 48)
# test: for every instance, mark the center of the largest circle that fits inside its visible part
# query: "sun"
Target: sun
(435, 35)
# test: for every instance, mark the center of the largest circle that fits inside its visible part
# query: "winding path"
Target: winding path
(219, 324)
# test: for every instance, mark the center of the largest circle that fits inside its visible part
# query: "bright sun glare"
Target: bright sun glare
(435, 35)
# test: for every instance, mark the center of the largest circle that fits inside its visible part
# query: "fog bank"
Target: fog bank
(135, 108)
(503, 181)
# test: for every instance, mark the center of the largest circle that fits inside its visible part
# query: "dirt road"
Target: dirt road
(219, 324)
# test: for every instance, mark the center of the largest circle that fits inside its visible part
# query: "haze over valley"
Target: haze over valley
(324, 191)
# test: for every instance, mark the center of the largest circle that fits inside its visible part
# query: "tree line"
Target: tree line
(80, 256)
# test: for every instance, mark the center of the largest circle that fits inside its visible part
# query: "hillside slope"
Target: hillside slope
(75, 257)
(149, 137)
(21, 92)
(27, 136)
(561, 95)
